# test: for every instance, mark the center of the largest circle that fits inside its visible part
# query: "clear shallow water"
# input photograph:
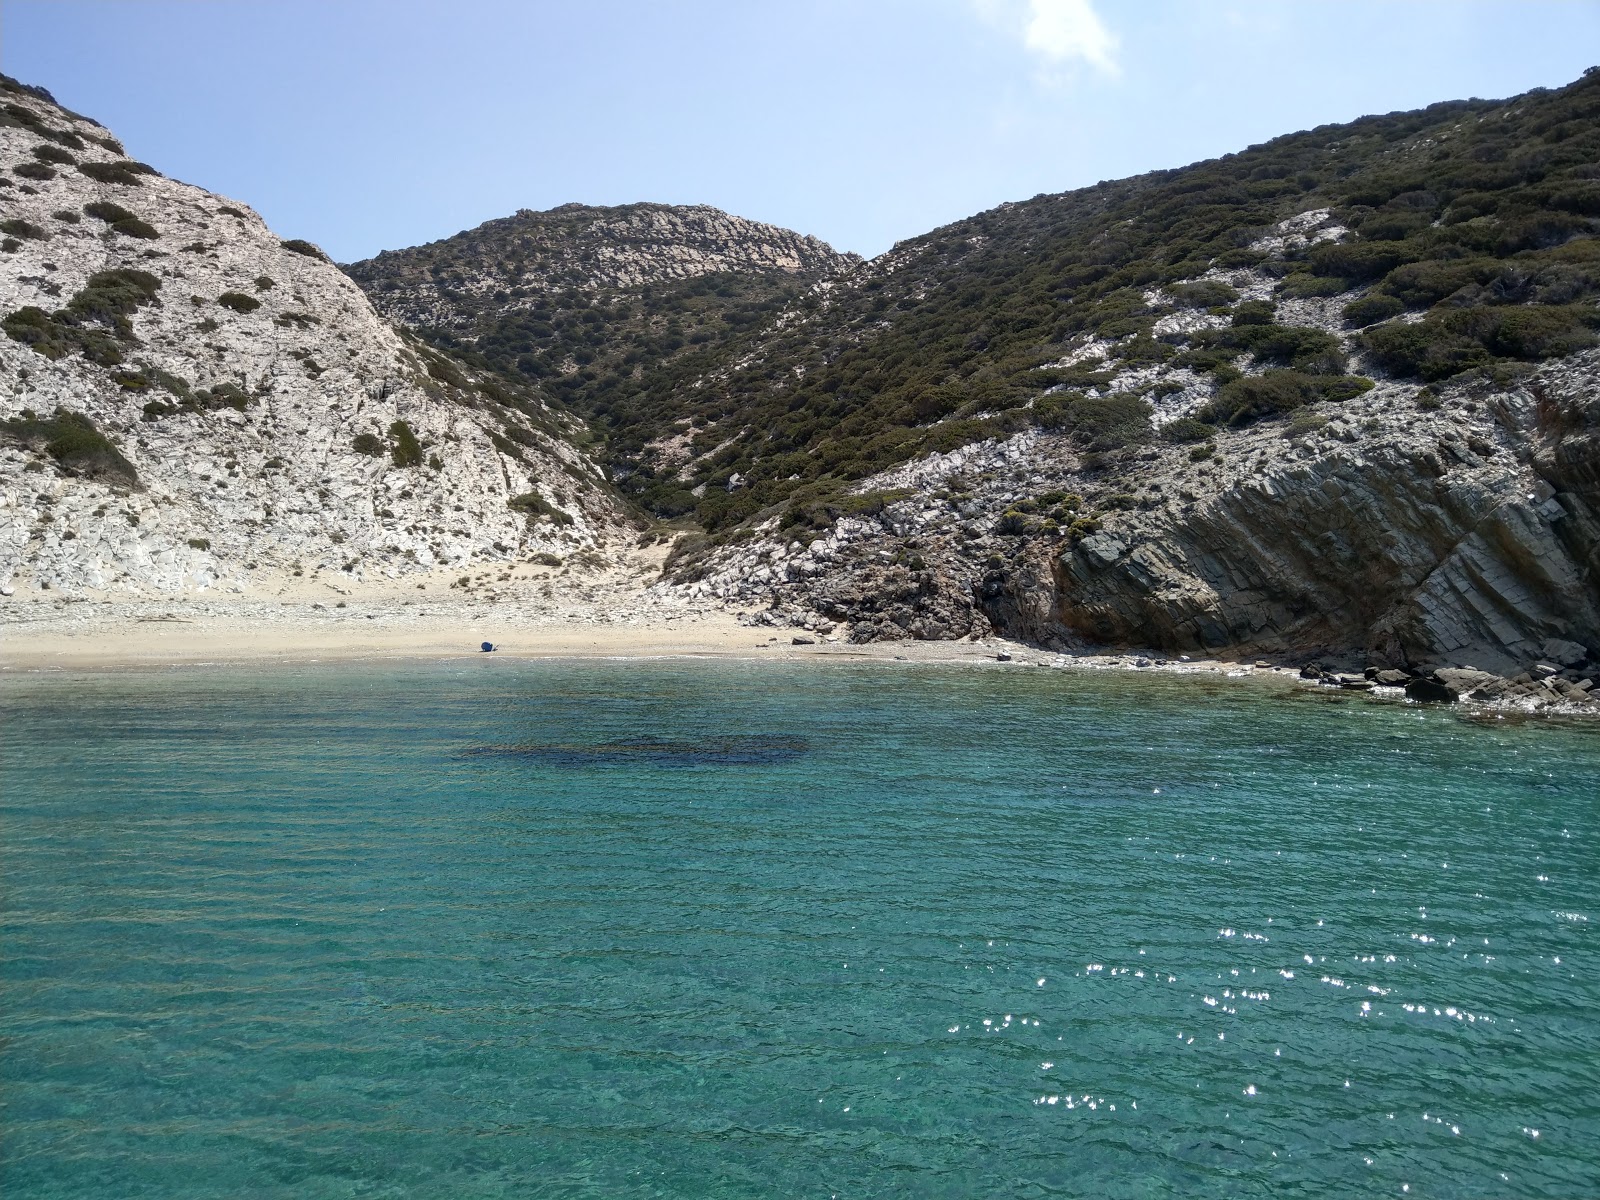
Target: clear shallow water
(499, 928)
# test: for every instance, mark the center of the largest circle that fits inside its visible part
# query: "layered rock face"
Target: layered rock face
(1465, 541)
(188, 401)
(505, 265)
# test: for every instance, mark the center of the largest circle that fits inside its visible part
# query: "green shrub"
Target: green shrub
(298, 320)
(199, 543)
(1358, 262)
(1305, 285)
(1108, 422)
(1447, 342)
(301, 246)
(1203, 293)
(123, 170)
(238, 302)
(1255, 312)
(1296, 346)
(265, 283)
(67, 216)
(74, 442)
(1258, 397)
(538, 508)
(23, 229)
(111, 297)
(405, 450)
(120, 219)
(34, 170)
(54, 154)
(369, 444)
(1185, 430)
(1369, 310)
(1421, 284)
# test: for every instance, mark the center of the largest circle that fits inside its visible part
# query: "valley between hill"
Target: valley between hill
(1332, 398)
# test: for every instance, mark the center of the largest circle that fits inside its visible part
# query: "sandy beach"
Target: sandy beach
(612, 610)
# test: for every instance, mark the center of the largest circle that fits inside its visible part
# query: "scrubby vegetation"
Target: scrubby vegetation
(123, 170)
(299, 246)
(239, 302)
(72, 440)
(1470, 242)
(120, 219)
(404, 448)
(96, 322)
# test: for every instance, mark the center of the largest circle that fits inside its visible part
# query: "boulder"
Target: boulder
(1568, 654)
(1356, 683)
(1431, 691)
(1392, 678)
(802, 641)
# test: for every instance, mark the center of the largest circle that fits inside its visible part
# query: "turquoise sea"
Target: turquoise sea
(498, 928)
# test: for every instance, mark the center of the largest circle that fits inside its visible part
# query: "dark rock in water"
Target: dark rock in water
(1356, 683)
(1392, 678)
(1312, 670)
(1431, 691)
(1002, 657)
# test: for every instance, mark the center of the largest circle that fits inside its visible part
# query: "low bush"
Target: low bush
(238, 302)
(17, 227)
(538, 508)
(1185, 430)
(1258, 397)
(120, 219)
(1359, 262)
(1450, 341)
(1305, 285)
(301, 246)
(123, 171)
(1203, 293)
(1108, 422)
(1369, 310)
(1255, 312)
(369, 444)
(72, 440)
(54, 154)
(404, 449)
(34, 170)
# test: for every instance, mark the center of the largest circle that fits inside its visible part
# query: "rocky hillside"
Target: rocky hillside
(188, 401)
(1330, 396)
(598, 304)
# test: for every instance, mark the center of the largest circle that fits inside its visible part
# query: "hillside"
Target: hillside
(1327, 395)
(596, 304)
(189, 402)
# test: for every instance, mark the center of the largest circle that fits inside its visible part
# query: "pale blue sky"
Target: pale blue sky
(373, 124)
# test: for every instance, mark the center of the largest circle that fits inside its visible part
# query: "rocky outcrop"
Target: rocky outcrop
(1453, 544)
(270, 423)
(508, 264)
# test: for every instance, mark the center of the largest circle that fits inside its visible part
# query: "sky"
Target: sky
(376, 124)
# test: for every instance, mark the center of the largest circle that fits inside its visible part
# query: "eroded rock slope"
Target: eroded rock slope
(190, 402)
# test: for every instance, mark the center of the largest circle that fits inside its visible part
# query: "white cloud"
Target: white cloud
(1062, 30)
(1058, 31)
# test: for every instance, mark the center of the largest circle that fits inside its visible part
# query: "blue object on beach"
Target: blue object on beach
(487, 647)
